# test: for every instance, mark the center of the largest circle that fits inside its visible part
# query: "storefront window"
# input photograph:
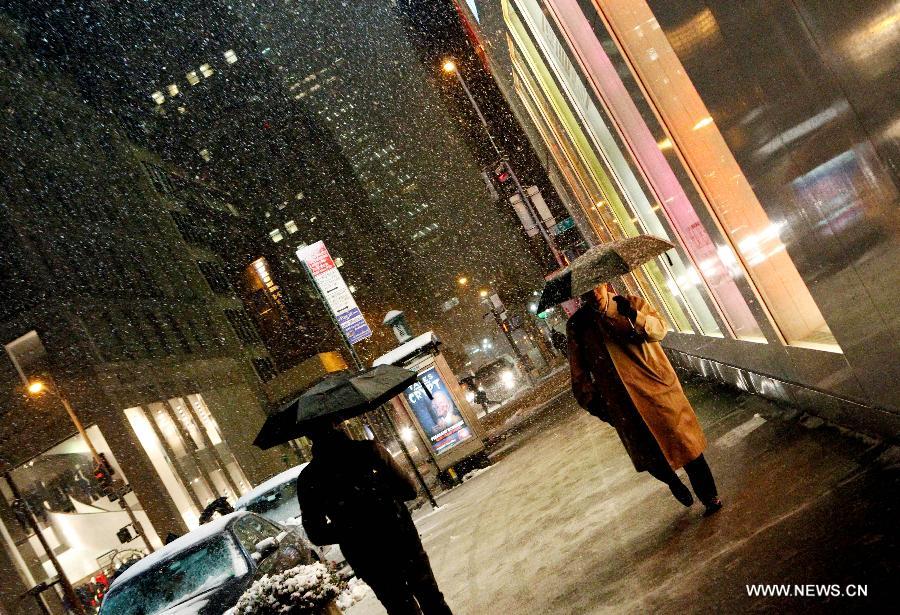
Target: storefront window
(694, 135)
(682, 280)
(78, 519)
(707, 257)
(656, 282)
(187, 450)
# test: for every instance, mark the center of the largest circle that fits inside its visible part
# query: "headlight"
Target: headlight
(508, 379)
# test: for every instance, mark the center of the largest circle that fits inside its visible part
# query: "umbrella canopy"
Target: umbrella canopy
(339, 397)
(601, 264)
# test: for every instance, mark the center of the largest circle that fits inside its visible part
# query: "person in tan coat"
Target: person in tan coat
(621, 375)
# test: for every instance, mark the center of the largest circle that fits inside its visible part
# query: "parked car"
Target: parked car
(276, 500)
(205, 571)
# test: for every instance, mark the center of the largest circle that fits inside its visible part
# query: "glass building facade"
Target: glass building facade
(740, 134)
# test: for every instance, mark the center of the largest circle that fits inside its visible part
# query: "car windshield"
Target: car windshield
(278, 504)
(178, 579)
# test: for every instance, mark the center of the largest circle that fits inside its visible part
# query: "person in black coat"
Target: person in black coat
(352, 493)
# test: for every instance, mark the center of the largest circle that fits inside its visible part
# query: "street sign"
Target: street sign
(563, 225)
(337, 296)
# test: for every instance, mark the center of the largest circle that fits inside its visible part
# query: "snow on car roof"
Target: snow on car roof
(216, 526)
(272, 483)
(404, 350)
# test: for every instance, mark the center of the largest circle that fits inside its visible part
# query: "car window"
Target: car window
(278, 504)
(178, 579)
(251, 529)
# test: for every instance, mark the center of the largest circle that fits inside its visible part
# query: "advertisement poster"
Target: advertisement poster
(332, 286)
(439, 416)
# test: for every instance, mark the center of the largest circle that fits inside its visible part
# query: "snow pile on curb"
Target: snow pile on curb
(474, 473)
(356, 591)
(304, 589)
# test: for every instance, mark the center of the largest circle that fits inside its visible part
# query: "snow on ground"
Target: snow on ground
(563, 524)
(356, 591)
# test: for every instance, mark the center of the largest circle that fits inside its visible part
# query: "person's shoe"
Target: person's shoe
(681, 493)
(712, 507)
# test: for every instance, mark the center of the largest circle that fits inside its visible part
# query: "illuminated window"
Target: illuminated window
(172, 89)
(206, 70)
(291, 227)
(230, 56)
(187, 450)
(276, 235)
(694, 134)
(193, 78)
(158, 97)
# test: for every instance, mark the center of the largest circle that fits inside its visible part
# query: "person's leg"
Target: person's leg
(663, 472)
(703, 483)
(394, 593)
(424, 585)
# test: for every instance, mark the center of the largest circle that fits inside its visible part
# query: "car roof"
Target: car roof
(272, 483)
(179, 545)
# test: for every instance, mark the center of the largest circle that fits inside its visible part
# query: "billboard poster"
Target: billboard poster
(332, 286)
(439, 416)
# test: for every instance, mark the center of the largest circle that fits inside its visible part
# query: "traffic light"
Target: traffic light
(501, 172)
(103, 473)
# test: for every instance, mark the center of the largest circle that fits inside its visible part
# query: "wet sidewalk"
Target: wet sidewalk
(561, 523)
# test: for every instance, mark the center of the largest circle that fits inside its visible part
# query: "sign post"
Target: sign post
(347, 317)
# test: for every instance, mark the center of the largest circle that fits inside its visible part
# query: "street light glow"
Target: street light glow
(449, 66)
(463, 280)
(482, 293)
(36, 387)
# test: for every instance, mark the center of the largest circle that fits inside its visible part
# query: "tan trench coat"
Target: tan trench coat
(620, 374)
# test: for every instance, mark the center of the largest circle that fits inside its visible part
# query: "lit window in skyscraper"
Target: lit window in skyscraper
(193, 78)
(206, 70)
(230, 56)
(291, 227)
(173, 90)
(276, 235)
(158, 97)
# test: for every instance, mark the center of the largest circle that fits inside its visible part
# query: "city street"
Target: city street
(562, 524)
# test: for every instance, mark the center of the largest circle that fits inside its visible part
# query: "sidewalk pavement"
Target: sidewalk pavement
(561, 523)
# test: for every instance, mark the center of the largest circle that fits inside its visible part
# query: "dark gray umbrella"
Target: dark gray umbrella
(339, 397)
(601, 264)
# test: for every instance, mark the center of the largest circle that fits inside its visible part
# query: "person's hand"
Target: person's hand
(624, 307)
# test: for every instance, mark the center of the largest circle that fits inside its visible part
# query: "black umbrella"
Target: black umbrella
(601, 264)
(339, 397)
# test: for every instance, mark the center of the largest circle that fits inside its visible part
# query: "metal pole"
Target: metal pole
(73, 416)
(68, 590)
(537, 216)
(522, 194)
(526, 362)
(357, 362)
(484, 123)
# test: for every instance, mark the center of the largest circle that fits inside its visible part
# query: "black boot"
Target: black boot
(712, 506)
(681, 492)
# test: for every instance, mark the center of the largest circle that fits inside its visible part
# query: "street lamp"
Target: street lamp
(483, 293)
(38, 387)
(462, 280)
(449, 67)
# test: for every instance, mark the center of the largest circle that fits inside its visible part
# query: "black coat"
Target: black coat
(352, 493)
